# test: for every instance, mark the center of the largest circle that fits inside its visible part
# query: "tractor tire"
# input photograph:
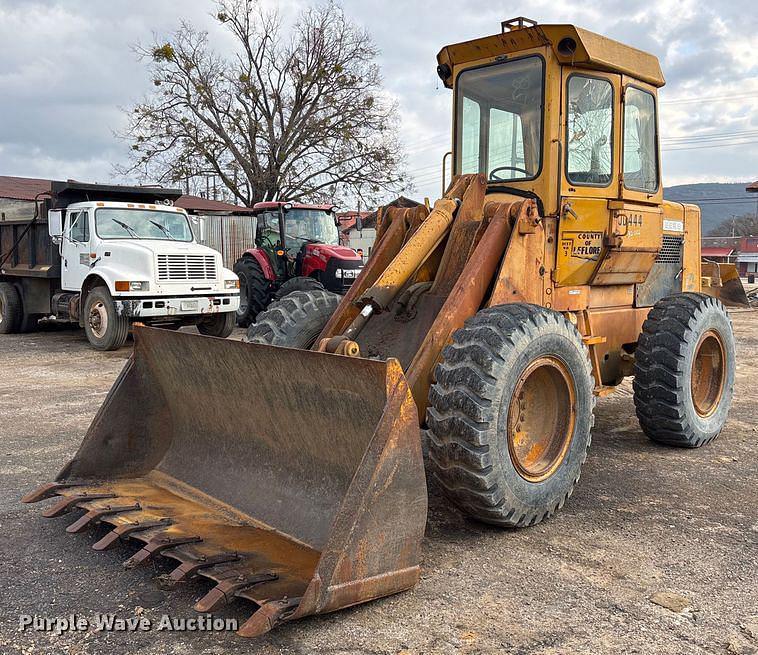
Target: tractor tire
(295, 321)
(11, 309)
(255, 290)
(218, 325)
(299, 283)
(105, 328)
(684, 370)
(510, 414)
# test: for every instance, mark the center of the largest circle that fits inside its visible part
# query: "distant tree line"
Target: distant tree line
(739, 226)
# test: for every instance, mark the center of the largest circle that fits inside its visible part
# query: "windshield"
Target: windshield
(309, 226)
(499, 120)
(111, 223)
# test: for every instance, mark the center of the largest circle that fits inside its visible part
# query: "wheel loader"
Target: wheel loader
(486, 327)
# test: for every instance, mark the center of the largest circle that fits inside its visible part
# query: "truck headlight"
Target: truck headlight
(125, 285)
(232, 284)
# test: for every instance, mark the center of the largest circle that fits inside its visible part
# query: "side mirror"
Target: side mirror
(359, 224)
(55, 223)
(198, 224)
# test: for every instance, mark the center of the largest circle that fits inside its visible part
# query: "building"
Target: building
(723, 250)
(228, 228)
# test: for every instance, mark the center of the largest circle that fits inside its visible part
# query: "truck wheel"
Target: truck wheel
(255, 290)
(296, 320)
(510, 414)
(104, 327)
(684, 370)
(298, 284)
(219, 325)
(11, 311)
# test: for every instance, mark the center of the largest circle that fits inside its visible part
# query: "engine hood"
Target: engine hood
(324, 252)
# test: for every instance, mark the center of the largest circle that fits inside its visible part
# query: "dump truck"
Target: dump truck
(104, 256)
(549, 271)
(296, 248)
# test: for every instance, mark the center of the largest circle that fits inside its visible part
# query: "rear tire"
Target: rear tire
(105, 328)
(684, 370)
(255, 289)
(295, 321)
(299, 283)
(510, 414)
(11, 309)
(219, 325)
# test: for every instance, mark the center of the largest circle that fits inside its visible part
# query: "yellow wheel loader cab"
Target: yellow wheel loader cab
(550, 269)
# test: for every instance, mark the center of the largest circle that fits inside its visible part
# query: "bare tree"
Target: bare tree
(739, 226)
(297, 118)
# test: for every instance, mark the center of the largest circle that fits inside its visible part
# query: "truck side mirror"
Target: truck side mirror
(198, 225)
(359, 224)
(55, 223)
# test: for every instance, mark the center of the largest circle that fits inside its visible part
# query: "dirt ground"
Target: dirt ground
(644, 520)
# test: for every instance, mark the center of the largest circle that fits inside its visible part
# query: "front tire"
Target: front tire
(11, 309)
(295, 321)
(255, 290)
(105, 328)
(219, 325)
(510, 414)
(684, 370)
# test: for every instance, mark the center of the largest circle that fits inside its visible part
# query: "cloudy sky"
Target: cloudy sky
(67, 69)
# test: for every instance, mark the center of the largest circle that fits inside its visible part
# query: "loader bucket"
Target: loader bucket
(722, 281)
(289, 478)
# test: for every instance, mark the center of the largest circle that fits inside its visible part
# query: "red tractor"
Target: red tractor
(296, 249)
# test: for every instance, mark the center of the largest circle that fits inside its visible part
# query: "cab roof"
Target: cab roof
(275, 204)
(571, 45)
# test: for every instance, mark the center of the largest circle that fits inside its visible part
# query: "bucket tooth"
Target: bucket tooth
(96, 513)
(125, 530)
(190, 567)
(268, 616)
(157, 544)
(224, 592)
(67, 502)
(46, 491)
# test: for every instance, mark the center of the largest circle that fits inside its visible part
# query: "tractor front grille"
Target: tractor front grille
(671, 250)
(186, 267)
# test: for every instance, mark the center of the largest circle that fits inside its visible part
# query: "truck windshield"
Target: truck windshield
(112, 223)
(309, 226)
(499, 120)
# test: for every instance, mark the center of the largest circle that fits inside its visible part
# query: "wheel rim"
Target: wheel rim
(708, 373)
(98, 319)
(541, 418)
(242, 309)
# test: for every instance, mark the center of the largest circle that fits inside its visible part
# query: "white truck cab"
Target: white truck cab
(128, 261)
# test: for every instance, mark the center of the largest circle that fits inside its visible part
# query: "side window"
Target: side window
(589, 135)
(267, 232)
(80, 228)
(640, 140)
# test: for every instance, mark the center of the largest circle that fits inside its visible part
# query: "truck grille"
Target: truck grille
(186, 267)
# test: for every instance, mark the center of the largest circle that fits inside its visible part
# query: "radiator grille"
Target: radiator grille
(186, 267)
(671, 250)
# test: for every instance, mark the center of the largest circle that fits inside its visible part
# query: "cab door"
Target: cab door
(75, 250)
(590, 180)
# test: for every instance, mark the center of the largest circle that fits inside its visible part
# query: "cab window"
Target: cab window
(499, 120)
(640, 140)
(79, 227)
(589, 131)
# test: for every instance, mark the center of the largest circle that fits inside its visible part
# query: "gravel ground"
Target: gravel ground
(680, 527)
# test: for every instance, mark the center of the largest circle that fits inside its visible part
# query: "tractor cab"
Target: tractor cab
(296, 247)
(569, 118)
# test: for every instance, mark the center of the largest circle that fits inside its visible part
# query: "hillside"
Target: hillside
(716, 201)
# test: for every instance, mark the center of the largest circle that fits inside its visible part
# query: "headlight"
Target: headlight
(232, 284)
(124, 285)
